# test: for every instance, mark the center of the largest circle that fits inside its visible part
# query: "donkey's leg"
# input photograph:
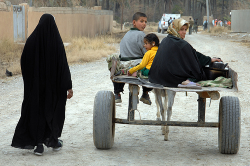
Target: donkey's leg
(170, 97)
(165, 105)
(157, 94)
(159, 101)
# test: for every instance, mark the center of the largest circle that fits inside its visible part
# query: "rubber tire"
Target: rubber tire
(229, 125)
(162, 31)
(158, 30)
(103, 120)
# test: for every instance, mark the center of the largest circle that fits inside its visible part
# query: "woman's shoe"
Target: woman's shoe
(58, 146)
(39, 150)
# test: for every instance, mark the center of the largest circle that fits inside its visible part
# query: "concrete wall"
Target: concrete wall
(71, 22)
(239, 20)
(74, 22)
(6, 25)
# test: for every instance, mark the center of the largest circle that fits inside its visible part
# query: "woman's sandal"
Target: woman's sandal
(191, 85)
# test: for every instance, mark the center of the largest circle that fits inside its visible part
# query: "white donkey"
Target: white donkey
(168, 96)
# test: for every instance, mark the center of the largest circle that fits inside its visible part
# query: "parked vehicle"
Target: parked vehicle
(163, 23)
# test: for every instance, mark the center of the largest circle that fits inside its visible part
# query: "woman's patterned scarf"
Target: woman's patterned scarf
(175, 26)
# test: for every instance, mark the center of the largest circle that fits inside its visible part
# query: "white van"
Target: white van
(163, 23)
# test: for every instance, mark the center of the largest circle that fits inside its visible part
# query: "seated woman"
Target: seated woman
(176, 61)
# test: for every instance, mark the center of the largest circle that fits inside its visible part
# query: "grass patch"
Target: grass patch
(151, 27)
(85, 49)
(217, 30)
(10, 54)
(80, 50)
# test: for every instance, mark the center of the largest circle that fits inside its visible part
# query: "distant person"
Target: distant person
(151, 43)
(191, 23)
(170, 21)
(196, 25)
(221, 23)
(225, 23)
(132, 51)
(215, 22)
(176, 61)
(47, 86)
(205, 25)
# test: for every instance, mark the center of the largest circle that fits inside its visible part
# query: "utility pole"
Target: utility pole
(208, 26)
(122, 4)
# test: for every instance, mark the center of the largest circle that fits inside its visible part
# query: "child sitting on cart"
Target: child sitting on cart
(132, 51)
(151, 43)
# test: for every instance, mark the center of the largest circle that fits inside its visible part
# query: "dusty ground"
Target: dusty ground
(134, 145)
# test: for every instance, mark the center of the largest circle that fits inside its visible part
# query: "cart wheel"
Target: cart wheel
(229, 125)
(103, 120)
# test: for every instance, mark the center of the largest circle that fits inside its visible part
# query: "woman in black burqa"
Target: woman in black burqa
(176, 61)
(47, 85)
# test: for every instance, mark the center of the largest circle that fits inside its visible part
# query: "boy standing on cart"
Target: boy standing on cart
(131, 52)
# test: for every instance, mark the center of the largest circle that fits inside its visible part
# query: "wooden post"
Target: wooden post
(201, 109)
(133, 101)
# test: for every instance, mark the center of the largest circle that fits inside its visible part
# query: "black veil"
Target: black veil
(46, 78)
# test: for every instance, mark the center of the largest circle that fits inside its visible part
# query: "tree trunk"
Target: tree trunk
(139, 2)
(156, 2)
(107, 4)
(102, 4)
(165, 6)
(192, 9)
(215, 8)
(189, 8)
(195, 9)
(170, 6)
(222, 10)
(210, 8)
(122, 5)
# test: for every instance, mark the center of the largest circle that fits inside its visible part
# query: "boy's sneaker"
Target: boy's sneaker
(58, 146)
(39, 150)
(118, 98)
(145, 99)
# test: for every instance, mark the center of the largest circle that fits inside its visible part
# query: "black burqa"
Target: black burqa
(46, 78)
(176, 61)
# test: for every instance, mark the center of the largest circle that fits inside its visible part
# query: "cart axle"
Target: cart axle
(167, 123)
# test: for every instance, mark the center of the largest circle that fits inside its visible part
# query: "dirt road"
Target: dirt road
(134, 145)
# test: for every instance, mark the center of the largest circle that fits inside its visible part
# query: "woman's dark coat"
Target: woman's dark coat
(46, 78)
(176, 61)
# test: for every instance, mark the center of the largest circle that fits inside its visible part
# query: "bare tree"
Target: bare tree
(107, 4)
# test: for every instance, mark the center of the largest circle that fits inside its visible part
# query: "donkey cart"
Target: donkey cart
(104, 116)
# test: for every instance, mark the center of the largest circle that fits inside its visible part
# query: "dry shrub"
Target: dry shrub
(218, 30)
(125, 27)
(10, 54)
(80, 50)
(151, 27)
(85, 49)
